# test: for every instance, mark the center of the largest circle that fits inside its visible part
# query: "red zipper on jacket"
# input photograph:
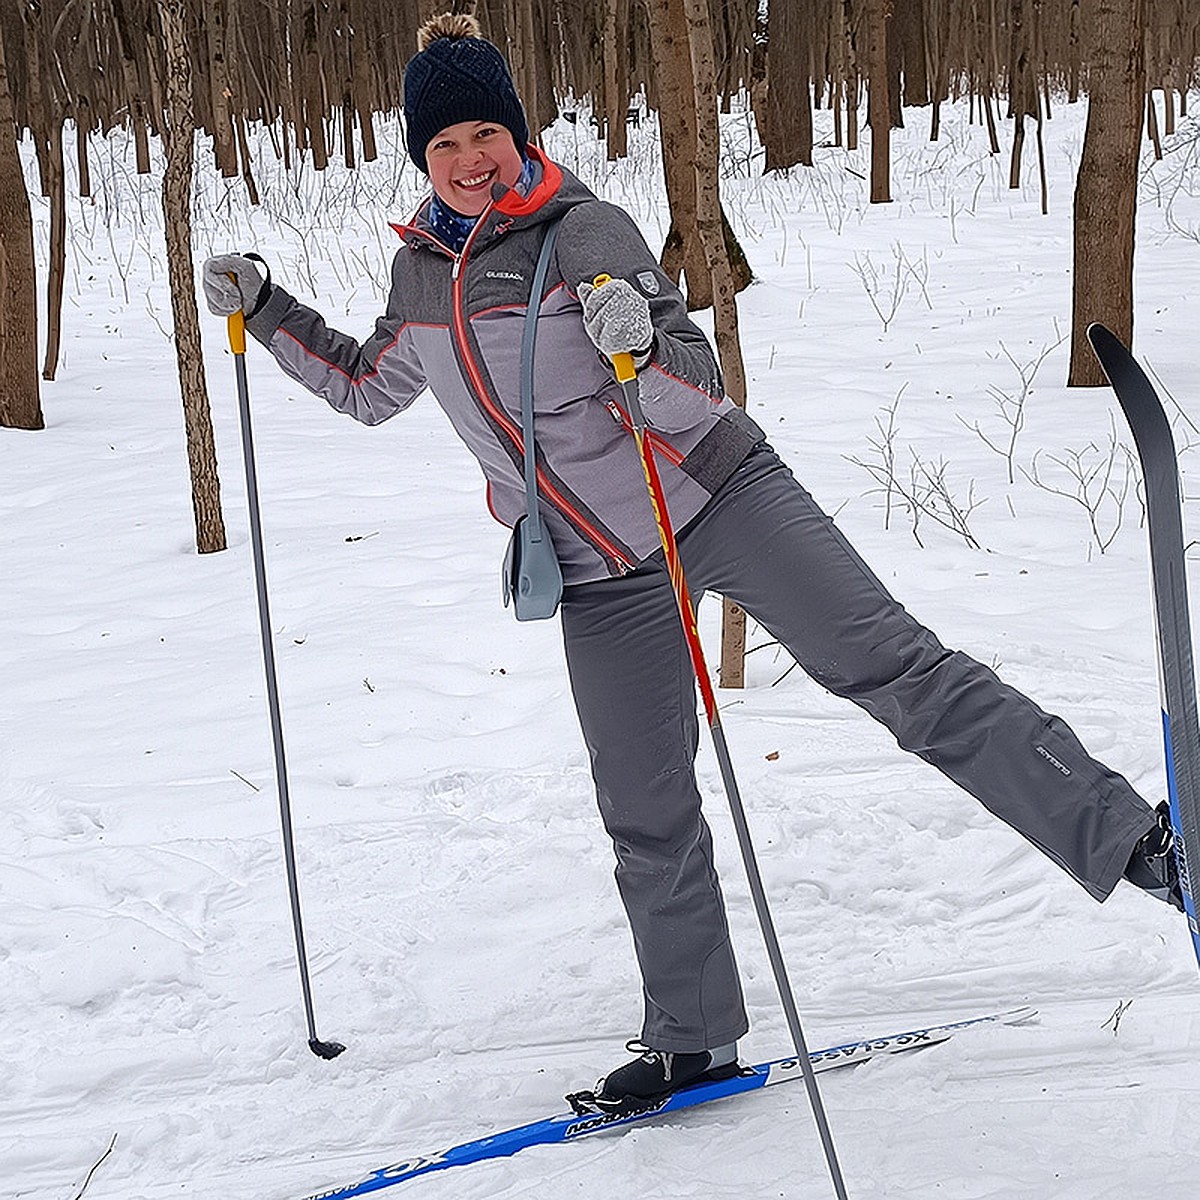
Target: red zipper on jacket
(656, 440)
(502, 419)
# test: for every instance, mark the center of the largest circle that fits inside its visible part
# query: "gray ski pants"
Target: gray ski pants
(763, 541)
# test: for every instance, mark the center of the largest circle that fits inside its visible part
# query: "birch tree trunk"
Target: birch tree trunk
(20, 406)
(177, 199)
(1106, 186)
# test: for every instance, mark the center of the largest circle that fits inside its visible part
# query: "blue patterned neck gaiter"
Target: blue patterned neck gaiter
(452, 227)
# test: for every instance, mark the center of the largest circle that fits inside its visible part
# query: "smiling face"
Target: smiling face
(466, 159)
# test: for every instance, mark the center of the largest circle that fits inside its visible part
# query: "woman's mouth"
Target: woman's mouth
(474, 182)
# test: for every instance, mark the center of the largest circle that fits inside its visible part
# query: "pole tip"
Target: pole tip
(325, 1049)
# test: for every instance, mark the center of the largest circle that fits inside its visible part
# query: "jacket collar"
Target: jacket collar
(501, 213)
(513, 204)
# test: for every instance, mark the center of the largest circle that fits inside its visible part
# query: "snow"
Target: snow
(464, 936)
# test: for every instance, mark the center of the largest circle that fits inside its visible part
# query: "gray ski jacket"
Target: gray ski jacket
(454, 324)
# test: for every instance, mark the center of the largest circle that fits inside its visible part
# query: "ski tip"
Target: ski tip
(1110, 351)
(1024, 1015)
(1104, 342)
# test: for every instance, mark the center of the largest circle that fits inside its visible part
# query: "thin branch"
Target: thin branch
(95, 1165)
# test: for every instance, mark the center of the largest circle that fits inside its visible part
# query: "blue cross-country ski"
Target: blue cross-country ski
(1164, 517)
(571, 1126)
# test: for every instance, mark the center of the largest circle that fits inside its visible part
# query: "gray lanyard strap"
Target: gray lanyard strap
(527, 343)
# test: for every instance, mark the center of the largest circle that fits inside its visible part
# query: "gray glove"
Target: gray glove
(617, 318)
(226, 295)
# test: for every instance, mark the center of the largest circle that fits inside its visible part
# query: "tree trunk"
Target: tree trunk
(1022, 86)
(313, 51)
(712, 238)
(910, 36)
(879, 113)
(56, 191)
(1074, 66)
(852, 72)
(133, 91)
(20, 407)
(1152, 126)
(177, 192)
(46, 122)
(683, 252)
(1106, 186)
(683, 255)
(360, 59)
(522, 58)
(215, 17)
(616, 86)
(789, 120)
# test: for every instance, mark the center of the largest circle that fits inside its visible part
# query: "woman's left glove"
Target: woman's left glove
(617, 318)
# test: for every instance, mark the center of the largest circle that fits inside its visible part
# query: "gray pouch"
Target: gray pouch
(532, 577)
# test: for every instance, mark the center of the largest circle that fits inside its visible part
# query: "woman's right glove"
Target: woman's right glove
(232, 282)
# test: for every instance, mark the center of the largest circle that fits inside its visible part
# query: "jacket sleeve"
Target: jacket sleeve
(682, 381)
(370, 381)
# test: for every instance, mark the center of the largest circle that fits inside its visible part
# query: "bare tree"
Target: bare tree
(616, 76)
(48, 133)
(1106, 186)
(177, 194)
(20, 406)
(788, 128)
(725, 316)
(878, 18)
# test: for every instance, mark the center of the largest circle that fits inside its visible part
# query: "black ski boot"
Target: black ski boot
(653, 1076)
(1153, 867)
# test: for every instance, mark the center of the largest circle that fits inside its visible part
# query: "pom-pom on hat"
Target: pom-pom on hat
(455, 76)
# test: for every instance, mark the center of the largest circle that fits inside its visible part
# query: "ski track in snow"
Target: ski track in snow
(464, 936)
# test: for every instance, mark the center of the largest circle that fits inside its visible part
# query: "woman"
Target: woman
(460, 289)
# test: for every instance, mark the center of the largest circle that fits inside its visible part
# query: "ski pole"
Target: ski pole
(237, 344)
(626, 375)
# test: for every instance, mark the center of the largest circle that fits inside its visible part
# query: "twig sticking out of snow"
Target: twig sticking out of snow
(1117, 1014)
(95, 1165)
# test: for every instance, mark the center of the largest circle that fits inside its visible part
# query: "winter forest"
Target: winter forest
(895, 219)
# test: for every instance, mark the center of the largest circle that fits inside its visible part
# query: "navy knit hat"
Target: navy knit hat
(457, 76)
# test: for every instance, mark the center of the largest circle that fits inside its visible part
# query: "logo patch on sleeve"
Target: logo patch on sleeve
(649, 282)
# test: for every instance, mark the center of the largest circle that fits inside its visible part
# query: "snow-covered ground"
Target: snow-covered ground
(465, 938)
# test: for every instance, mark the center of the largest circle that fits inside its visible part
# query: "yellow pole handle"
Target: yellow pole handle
(237, 332)
(623, 367)
(237, 327)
